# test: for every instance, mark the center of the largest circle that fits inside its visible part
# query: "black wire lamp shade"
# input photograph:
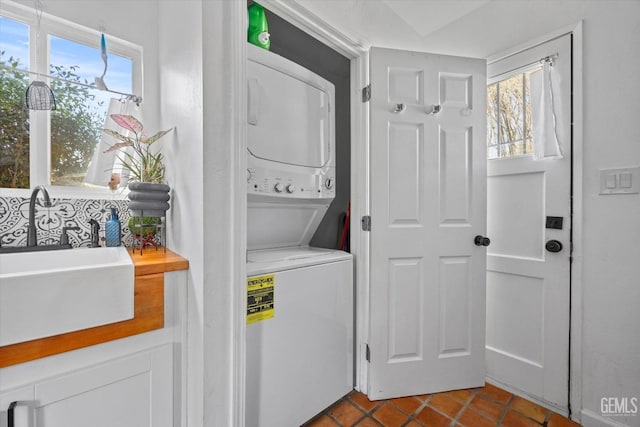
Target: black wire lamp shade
(39, 96)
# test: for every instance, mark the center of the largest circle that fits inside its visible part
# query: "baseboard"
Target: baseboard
(591, 419)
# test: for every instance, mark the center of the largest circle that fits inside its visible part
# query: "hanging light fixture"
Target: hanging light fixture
(39, 96)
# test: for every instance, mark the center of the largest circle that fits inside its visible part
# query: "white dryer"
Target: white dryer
(300, 299)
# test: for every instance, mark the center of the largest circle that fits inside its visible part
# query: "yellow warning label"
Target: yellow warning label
(260, 292)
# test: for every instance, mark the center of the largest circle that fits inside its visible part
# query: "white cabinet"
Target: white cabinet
(136, 381)
(130, 391)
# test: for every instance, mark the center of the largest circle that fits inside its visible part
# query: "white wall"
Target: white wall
(181, 89)
(611, 353)
(198, 40)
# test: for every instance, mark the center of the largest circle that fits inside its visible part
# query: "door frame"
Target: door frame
(360, 200)
(359, 64)
(575, 320)
(359, 58)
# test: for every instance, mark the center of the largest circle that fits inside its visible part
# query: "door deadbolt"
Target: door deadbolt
(553, 246)
(481, 241)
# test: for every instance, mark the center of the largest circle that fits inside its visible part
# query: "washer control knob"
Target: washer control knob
(328, 183)
(291, 188)
(278, 187)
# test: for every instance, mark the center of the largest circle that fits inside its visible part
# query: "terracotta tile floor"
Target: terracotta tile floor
(488, 406)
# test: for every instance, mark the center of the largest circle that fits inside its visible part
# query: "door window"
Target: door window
(509, 117)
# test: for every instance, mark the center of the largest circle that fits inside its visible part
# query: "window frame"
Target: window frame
(40, 121)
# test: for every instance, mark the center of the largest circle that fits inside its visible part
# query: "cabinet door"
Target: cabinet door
(134, 391)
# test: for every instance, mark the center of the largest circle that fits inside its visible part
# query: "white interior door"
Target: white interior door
(527, 285)
(428, 202)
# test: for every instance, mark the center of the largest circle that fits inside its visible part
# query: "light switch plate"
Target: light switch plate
(620, 180)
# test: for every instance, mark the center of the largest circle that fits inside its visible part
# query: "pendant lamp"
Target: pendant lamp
(39, 96)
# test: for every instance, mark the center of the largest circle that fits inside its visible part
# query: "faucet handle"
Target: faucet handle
(64, 237)
(95, 237)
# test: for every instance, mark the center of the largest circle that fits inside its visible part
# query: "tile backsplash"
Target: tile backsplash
(14, 213)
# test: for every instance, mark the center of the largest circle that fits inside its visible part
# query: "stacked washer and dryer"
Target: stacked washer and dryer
(300, 298)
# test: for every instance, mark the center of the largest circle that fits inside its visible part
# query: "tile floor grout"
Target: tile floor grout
(504, 410)
(465, 406)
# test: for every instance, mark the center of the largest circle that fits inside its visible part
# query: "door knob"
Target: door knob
(481, 241)
(399, 108)
(435, 109)
(553, 246)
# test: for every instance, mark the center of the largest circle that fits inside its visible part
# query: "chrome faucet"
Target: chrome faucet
(32, 239)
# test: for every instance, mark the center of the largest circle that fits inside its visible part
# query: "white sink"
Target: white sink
(53, 292)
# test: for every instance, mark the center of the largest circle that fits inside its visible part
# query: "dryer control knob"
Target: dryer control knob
(291, 188)
(278, 187)
(329, 183)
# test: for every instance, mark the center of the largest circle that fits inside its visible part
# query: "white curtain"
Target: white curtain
(543, 118)
(103, 164)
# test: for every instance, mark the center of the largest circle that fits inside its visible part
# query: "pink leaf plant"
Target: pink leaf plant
(144, 164)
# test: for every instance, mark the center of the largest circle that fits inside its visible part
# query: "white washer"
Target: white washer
(300, 353)
(301, 360)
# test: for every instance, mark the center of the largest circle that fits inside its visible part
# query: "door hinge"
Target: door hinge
(366, 223)
(366, 93)
(367, 353)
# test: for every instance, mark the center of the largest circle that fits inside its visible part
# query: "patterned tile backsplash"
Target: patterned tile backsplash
(14, 213)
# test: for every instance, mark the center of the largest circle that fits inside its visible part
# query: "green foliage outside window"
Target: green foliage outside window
(14, 126)
(75, 126)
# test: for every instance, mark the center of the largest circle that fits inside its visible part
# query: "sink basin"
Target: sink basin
(53, 292)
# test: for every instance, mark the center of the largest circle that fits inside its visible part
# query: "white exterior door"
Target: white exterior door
(528, 285)
(428, 202)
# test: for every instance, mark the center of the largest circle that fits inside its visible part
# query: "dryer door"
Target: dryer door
(288, 113)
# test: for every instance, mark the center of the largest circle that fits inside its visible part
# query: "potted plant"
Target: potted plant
(148, 194)
(145, 230)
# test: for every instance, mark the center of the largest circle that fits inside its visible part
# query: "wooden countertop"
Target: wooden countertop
(157, 261)
(148, 312)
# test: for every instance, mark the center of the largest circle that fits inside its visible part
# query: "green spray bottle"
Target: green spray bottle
(258, 27)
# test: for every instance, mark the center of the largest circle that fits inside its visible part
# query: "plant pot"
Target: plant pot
(148, 199)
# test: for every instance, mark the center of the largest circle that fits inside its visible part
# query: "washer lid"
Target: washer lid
(286, 254)
(282, 259)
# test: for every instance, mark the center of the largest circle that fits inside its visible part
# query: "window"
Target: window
(509, 117)
(76, 123)
(55, 147)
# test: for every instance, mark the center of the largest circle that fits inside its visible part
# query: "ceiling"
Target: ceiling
(427, 16)
(473, 28)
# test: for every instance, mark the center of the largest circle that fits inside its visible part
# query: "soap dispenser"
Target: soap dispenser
(113, 229)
